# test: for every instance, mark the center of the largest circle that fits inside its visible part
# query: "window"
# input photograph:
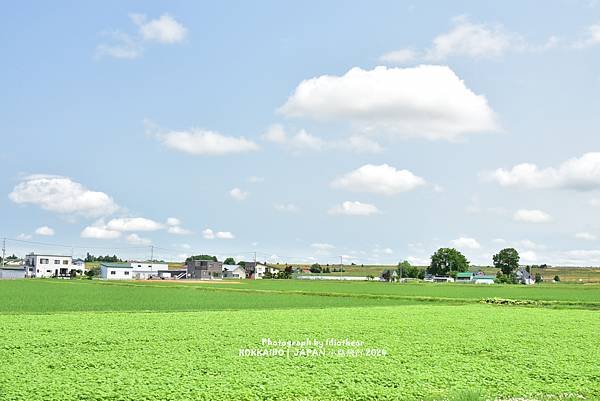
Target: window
(127, 273)
(139, 265)
(48, 271)
(65, 262)
(57, 261)
(113, 272)
(38, 270)
(44, 261)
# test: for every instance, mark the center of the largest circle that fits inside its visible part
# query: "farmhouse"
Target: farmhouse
(234, 271)
(204, 269)
(116, 271)
(257, 270)
(524, 277)
(48, 265)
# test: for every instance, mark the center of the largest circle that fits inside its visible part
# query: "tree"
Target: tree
(315, 268)
(405, 269)
(556, 278)
(507, 261)
(447, 260)
(229, 261)
(202, 257)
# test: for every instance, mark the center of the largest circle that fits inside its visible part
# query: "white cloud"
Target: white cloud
(178, 230)
(473, 40)
(303, 140)
(594, 202)
(122, 46)
(137, 240)
(528, 257)
(321, 246)
(224, 235)
(592, 37)
(203, 142)
(586, 236)
(579, 174)
(173, 221)
(426, 101)
(45, 231)
(361, 144)
(380, 179)
(24, 236)
(164, 29)
(276, 134)
(528, 244)
(286, 207)
(238, 194)
(99, 231)
(133, 224)
(532, 216)
(402, 56)
(466, 243)
(355, 208)
(210, 234)
(62, 195)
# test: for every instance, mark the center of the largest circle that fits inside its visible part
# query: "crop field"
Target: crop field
(92, 340)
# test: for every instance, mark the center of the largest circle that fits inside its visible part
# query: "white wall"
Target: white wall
(120, 273)
(50, 265)
(149, 267)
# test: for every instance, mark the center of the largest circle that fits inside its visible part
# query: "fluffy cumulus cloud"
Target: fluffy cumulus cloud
(580, 174)
(135, 239)
(354, 208)
(99, 232)
(120, 45)
(133, 224)
(45, 231)
(380, 179)
(238, 194)
(62, 195)
(173, 221)
(302, 140)
(210, 234)
(531, 216)
(203, 142)
(427, 101)
(164, 29)
(465, 243)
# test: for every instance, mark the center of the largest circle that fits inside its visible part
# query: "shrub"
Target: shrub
(556, 278)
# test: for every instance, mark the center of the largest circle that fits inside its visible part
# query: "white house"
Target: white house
(234, 271)
(116, 271)
(260, 269)
(48, 265)
(146, 270)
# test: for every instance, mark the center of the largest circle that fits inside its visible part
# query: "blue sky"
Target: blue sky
(379, 131)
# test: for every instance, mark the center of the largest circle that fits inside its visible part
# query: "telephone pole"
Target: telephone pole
(3, 250)
(255, 267)
(151, 253)
(341, 266)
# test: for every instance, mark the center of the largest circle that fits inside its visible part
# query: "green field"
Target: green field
(93, 340)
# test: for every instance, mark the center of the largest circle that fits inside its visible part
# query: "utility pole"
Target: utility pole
(255, 267)
(341, 266)
(3, 250)
(151, 253)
